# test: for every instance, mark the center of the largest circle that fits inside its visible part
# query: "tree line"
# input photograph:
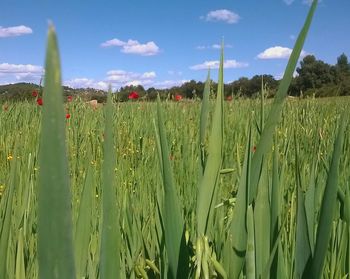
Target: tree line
(314, 78)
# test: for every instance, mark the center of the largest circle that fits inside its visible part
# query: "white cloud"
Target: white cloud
(11, 73)
(277, 52)
(123, 77)
(103, 85)
(216, 46)
(86, 83)
(148, 75)
(133, 47)
(215, 65)
(147, 49)
(222, 15)
(213, 46)
(119, 78)
(168, 83)
(14, 31)
(113, 42)
(288, 2)
(19, 68)
(174, 73)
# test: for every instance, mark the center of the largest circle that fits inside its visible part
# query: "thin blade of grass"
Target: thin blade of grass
(55, 230)
(207, 185)
(275, 196)
(110, 237)
(20, 268)
(238, 231)
(328, 206)
(250, 255)
(274, 116)
(302, 244)
(310, 208)
(6, 210)
(262, 106)
(83, 225)
(262, 221)
(203, 122)
(172, 217)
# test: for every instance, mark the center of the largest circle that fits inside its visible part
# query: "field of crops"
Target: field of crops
(304, 148)
(178, 189)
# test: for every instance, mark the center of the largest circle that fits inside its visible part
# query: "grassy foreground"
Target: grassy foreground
(304, 149)
(242, 189)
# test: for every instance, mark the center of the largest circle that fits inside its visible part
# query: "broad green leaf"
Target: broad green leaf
(110, 236)
(302, 244)
(83, 225)
(172, 216)
(262, 221)
(274, 116)
(6, 206)
(275, 196)
(20, 268)
(55, 230)
(310, 208)
(328, 206)
(238, 228)
(203, 122)
(207, 185)
(250, 255)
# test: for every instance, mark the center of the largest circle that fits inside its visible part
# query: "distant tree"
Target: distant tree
(313, 74)
(240, 87)
(192, 89)
(343, 65)
(343, 74)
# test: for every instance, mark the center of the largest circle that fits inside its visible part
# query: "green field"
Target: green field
(250, 188)
(304, 144)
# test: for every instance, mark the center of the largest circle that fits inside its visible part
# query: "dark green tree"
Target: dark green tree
(313, 74)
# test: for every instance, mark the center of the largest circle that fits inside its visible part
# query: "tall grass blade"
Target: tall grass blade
(262, 106)
(328, 206)
(83, 225)
(203, 122)
(55, 231)
(207, 185)
(6, 204)
(302, 244)
(310, 208)
(238, 227)
(250, 255)
(275, 196)
(274, 116)
(172, 216)
(20, 268)
(262, 221)
(110, 237)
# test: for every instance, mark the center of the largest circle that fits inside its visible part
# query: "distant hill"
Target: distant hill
(23, 91)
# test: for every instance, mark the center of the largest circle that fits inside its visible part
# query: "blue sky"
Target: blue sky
(160, 43)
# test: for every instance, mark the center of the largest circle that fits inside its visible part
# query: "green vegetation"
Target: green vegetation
(245, 189)
(315, 78)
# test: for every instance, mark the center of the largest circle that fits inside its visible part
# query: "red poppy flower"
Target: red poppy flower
(178, 97)
(133, 95)
(254, 149)
(69, 98)
(67, 116)
(39, 101)
(229, 98)
(35, 93)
